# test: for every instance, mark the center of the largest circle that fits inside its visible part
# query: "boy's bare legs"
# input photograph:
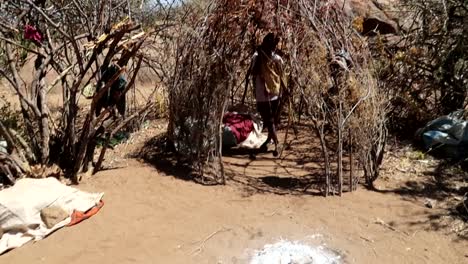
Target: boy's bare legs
(271, 136)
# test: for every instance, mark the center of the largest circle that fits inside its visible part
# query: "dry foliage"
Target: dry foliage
(332, 69)
(426, 69)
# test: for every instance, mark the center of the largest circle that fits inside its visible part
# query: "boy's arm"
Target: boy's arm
(280, 65)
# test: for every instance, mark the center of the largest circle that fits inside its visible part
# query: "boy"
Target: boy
(267, 72)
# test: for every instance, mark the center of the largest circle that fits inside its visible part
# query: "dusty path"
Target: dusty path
(152, 218)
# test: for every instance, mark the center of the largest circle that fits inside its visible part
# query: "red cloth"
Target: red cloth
(31, 33)
(240, 125)
(78, 217)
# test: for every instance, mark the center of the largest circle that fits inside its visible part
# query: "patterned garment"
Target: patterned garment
(240, 125)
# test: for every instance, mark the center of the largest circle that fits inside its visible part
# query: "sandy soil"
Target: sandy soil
(151, 216)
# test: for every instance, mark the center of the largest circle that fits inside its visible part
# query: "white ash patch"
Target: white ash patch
(294, 253)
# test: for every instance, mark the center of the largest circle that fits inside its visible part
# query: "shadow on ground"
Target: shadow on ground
(157, 153)
(298, 172)
(440, 188)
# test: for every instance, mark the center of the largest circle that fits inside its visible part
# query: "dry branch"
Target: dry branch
(200, 248)
(122, 124)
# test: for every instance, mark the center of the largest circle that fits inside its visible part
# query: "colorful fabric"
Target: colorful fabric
(270, 70)
(31, 33)
(79, 216)
(109, 99)
(240, 125)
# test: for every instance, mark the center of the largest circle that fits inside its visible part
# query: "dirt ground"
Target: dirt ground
(152, 215)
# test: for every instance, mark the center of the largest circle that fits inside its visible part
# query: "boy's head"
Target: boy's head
(270, 41)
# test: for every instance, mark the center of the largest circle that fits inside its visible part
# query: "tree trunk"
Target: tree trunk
(340, 149)
(44, 124)
(319, 130)
(351, 180)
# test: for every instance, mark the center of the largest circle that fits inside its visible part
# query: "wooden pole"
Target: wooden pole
(351, 180)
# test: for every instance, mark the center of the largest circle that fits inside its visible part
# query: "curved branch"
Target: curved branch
(21, 46)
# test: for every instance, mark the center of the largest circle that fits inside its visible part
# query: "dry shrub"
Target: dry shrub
(426, 69)
(199, 90)
(368, 127)
(76, 40)
(347, 98)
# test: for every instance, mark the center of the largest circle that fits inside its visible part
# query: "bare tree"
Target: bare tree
(74, 41)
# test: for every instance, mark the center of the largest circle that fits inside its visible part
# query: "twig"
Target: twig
(200, 248)
(273, 214)
(21, 46)
(16, 78)
(8, 174)
(367, 239)
(381, 222)
(23, 144)
(115, 130)
(46, 17)
(5, 133)
(287, 128)
(465, 199)
(60, 77)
